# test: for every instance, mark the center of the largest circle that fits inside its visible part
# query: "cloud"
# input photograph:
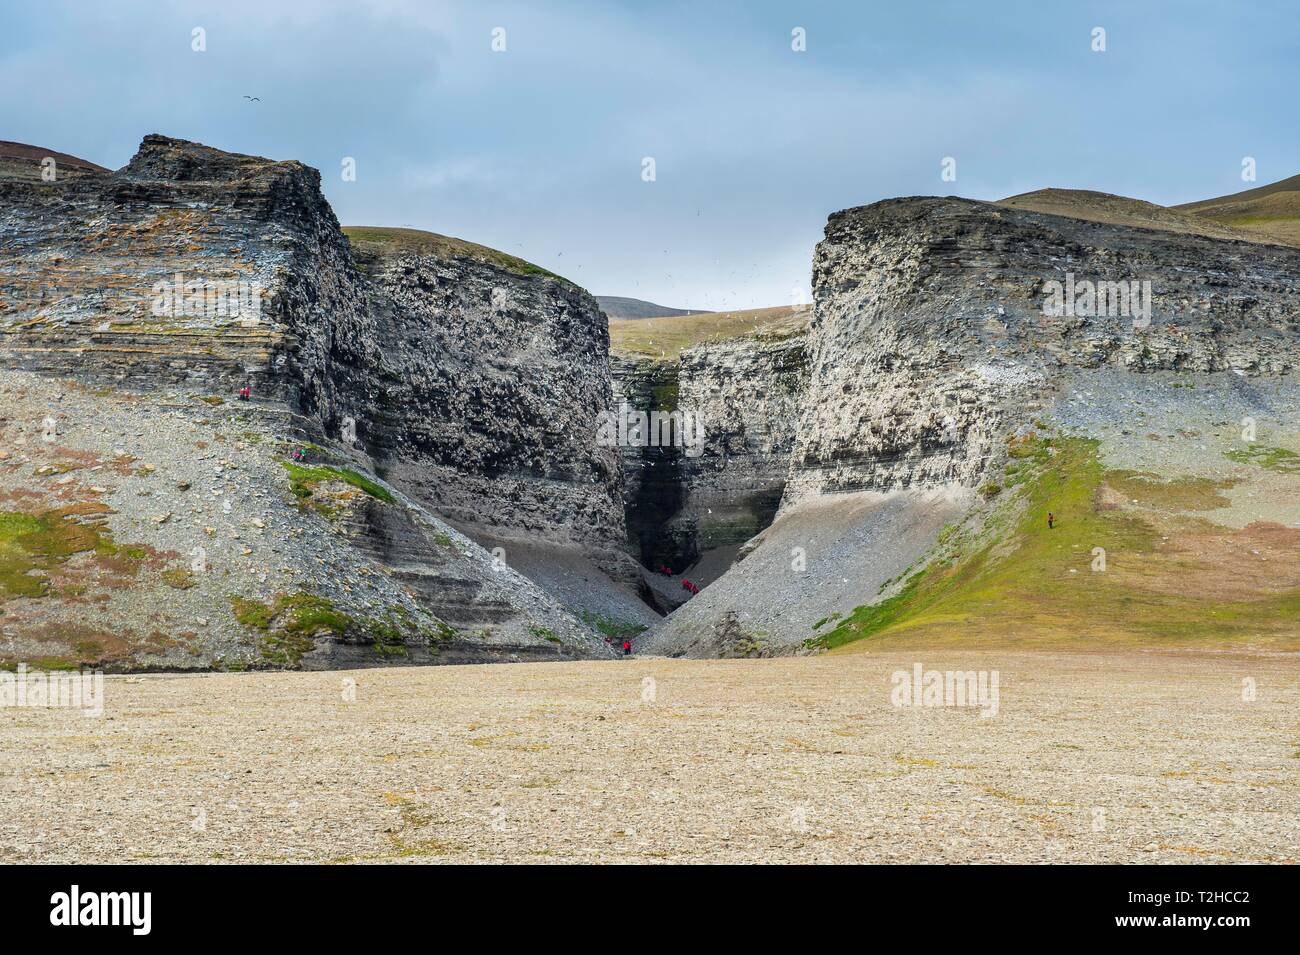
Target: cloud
(537, 150)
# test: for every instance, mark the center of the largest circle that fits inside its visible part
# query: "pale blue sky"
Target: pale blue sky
(538, 150)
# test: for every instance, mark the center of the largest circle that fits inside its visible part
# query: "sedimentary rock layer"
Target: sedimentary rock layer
(470, 380)
(930, 334)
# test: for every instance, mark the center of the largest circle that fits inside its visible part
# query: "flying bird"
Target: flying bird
(254, 99)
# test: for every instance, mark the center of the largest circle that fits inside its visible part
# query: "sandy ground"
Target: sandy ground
(1090, 757)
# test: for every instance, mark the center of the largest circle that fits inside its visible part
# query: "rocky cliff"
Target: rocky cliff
(947, 334)
(931, 337)
(187, 265)
(684, 503)
(500, 373)
(470, 380)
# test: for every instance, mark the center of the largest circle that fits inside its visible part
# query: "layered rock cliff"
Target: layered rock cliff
(471, 381)
(189, 265)
(686, 502)
(500, 376)
(931, 339)
(939, 344)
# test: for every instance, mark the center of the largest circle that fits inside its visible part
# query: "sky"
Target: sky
(540, 148)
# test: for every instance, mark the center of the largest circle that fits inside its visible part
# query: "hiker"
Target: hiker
(688, 586)
(1051, 520)
(627, 648)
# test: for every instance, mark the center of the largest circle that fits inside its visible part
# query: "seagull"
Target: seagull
(253, 99)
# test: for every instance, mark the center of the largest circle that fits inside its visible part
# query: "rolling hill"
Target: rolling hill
(1272, 211)
(667, 336)
(24, 162)
(618, 306)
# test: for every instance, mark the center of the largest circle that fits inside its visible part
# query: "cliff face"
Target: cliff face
(746, 394)
(654, 491)
(473, 382)
(941, 354)
(187, 265)
(930, 336)
(499, 374)
(749, 396)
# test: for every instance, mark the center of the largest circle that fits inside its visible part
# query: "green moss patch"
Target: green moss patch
(32, 545)
(1273, 459)
(610, 627)
(305, 481)
(1178, 494)
(289, 624)
(180, 578)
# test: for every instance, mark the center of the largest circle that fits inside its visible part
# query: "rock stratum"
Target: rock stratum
(948, 409)
(458, 383)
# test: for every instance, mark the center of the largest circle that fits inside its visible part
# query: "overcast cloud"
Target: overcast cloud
(538, 150)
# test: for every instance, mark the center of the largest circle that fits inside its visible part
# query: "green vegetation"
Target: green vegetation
(1273, 459)
(32, 545)
(666, 394)
(303, 481)
(667, 337)
(289, 623)
(620, 629)
(1271, 211)
(392, 632)
(1181, 494)
(1120, 210)
(180, 578)
(545, 633)
(386, 241)
(1014, 579)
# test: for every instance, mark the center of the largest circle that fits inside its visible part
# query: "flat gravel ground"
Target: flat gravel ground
(1105, 757)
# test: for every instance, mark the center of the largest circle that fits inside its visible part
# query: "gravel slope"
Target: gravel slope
(849, 544)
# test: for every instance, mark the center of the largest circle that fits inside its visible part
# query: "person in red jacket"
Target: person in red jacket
(627, 648)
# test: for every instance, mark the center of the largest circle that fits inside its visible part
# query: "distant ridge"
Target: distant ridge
(21, 161)
(617, 306)
(1272, 211)
(1269, 214)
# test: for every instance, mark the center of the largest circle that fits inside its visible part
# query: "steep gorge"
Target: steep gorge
(692, 507)
(454, 503)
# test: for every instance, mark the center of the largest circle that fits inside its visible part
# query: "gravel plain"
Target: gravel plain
(1091, 757)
